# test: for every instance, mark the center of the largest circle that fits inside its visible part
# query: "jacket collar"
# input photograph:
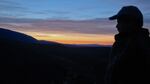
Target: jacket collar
(123, 36)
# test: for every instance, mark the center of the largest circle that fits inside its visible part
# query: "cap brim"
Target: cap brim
(113, 17)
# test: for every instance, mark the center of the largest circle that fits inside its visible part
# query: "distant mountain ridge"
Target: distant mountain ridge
(16, 36)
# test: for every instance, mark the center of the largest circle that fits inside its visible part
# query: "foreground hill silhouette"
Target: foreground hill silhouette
(25, 60)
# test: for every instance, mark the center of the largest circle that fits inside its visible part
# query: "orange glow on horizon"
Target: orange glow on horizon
(74, 38)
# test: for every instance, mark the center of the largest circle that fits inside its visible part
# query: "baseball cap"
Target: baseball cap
(128, 11)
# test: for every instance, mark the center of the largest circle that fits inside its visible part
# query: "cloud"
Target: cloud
(93, 26)
(51, 12)
(8, 2)
(8, 6)
(147, 23)
(57, 12)
(18, 20)
(143, 1)
(11, 8)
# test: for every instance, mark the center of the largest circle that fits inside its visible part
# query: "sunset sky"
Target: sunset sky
(67, 21)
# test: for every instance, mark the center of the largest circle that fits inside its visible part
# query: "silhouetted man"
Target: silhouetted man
(131, 50)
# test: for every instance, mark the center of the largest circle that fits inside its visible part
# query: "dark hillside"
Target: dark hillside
(26, 62)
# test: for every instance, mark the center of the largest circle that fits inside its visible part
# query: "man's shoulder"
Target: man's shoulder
(143, 42)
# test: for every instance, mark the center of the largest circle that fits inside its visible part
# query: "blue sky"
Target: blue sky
(68, 9)
(88, 18)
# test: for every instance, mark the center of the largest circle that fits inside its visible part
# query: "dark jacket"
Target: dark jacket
(129, 58)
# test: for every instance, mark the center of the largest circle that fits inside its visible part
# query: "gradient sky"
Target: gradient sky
(67, 21)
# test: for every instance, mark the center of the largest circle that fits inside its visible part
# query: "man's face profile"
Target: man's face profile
(124, 25)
